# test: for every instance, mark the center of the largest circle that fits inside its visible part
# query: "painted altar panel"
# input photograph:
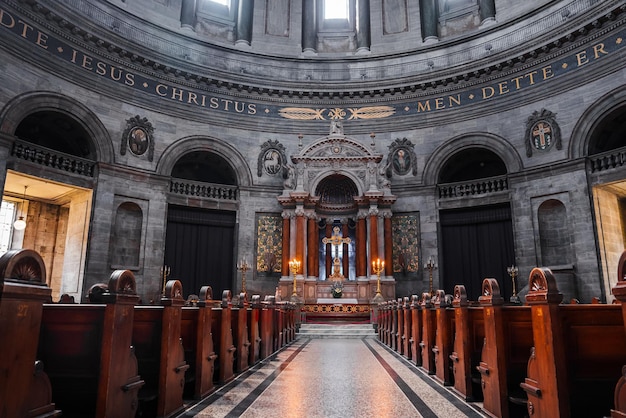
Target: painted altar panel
(269, 231)
(405, 233)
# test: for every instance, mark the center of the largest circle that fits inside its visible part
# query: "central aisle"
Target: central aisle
(333, 378)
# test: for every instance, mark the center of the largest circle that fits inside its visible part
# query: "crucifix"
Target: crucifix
(336, 239)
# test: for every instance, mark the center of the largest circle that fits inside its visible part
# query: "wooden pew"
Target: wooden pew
(444, 339)
(267, 327)
(578, 354)
(221, 320)
(619, 291)
(279, 326)
(87, 352)
(382, 322)
(24, 386)
(406, 334)
(469, 336)
(393, 325)
(416, 330)
(508, 341)
(254, 320)
(198, 344)
(160, 353)
(240, 334)
(428, 333)
(399, 346)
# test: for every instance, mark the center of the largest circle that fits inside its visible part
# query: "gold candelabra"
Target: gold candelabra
(243, 267)
(377, 267)
(165, 272)
(430, 265)
(513, 270)
(294, 266)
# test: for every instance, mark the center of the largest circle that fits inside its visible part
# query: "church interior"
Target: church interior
(341, 160)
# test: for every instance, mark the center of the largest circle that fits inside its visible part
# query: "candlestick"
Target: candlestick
(377, 267)
(243, 266)
(513, 270)
(165, 271)
(430, 265)
(294, 266)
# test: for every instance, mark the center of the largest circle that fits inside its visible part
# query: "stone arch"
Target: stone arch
(493, 143)
(200, 143)
(315, 182)
(592, 118)
(25, 104)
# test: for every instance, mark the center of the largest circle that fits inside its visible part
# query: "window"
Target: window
(217, 11)
(7, 216)
(336, 9)
(222, 2)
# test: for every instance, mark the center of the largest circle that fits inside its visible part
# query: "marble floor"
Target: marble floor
(337, 377)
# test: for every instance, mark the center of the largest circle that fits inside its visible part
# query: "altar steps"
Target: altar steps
(335, 330)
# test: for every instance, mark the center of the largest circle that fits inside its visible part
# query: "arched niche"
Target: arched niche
(125, 242)
(177, 151)
(45, 106)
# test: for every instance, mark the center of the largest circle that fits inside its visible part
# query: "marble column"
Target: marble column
(429, 15)
(373, 234)
(244, 22)
(487, 10)
(388, 245)
(188, 14)
(309, 25)
(361, 246)
(363, 36)
(311, 247)
(286, 240)
(300, 240)
(329, 248)
(346, 258)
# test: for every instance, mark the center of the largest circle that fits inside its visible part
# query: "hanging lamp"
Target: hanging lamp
(20, 223)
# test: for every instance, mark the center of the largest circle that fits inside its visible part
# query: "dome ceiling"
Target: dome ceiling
(157, 40)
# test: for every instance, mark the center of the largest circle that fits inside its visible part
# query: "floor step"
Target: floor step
(337, 331)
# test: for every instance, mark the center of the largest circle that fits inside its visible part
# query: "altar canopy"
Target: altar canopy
(337, 219)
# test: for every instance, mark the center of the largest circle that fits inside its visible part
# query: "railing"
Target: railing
(51, 158)
(200, 189)
(608, 160)
(473, 187)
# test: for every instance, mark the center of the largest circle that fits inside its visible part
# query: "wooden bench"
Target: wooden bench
(221, 319)
(619, 291)
(160, 353)
(578, 353)
(428, 333)
(198, 344)
(267, 327)
(469, 336)
(416, 330)
(507, 344)
(86, 351)
(254, 330)
(399, 343)
(444, 338)
(24, 386)
(240, 334)
(406, 334)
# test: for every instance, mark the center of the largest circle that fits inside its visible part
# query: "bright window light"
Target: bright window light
(335, 9)
(223, 2)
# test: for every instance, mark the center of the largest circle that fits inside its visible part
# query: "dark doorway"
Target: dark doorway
(477, 243)
(199, 248)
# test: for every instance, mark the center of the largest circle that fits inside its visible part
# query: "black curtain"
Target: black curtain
(199, 248)
(477, 243)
